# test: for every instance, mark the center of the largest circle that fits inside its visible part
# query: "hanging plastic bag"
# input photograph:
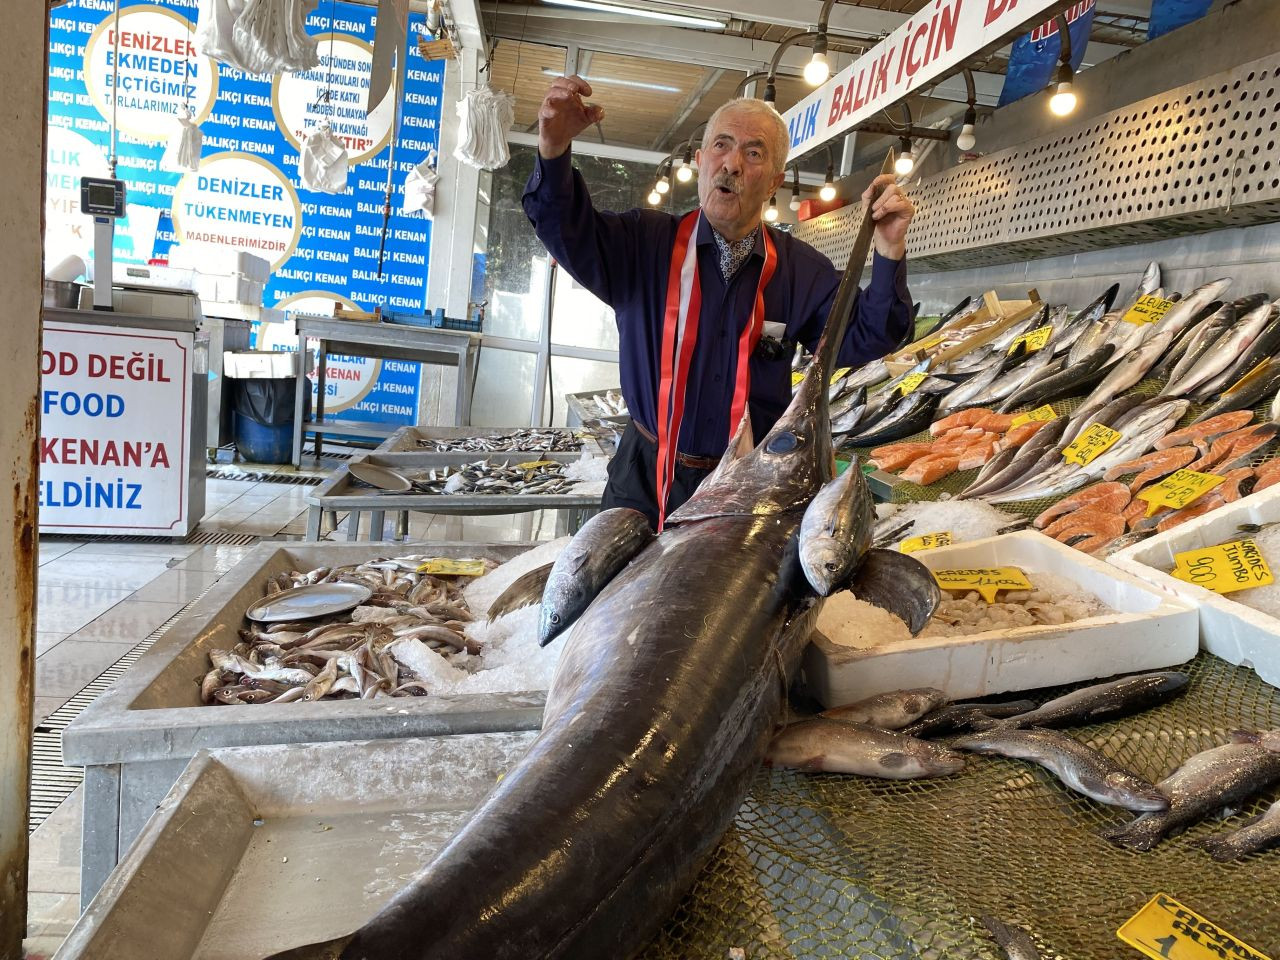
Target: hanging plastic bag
(215, 30)
(420, 188)
(324, 161)
(485, 117)
(183, 149)
(270, 36)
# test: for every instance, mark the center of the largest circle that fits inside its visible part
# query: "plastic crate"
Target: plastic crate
(436, 319)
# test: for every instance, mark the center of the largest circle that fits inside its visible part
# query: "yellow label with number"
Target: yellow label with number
(535, 464)
(910, 382)
(838, 374)
(1225, 568)
(1249, 377)
(1034, 339)
(448, 567)
(1094, 440)
(1166, 930)
(796, 377)
(926, 541)
(1044, 413)
(1148, 309)
(1178, 489)
(988, 581)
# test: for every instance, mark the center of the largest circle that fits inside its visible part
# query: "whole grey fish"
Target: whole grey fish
(838, 746)
(1077, 765)
(867, 375)
(667, 691)
(856, 412)
(889, 711)
(1150, 279)
(912, 415)
(1003, 340)
(1224, 352)
(1076, 327)
(963, 394)
(1070, 381)
(1133, 367)
(1203, 785)
(835, 532)
(960, 716)
(1185, 310)
(1104, 701)
(1257, 834)
(1103, 413)
(1246, 397)
(1045, 440)
(1093, 337)
(1195, 340)
(602, 547)
(1014, 941)
(1042, 364)
(1263, 348)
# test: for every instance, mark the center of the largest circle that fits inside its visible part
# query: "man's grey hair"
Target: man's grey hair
(779, 140)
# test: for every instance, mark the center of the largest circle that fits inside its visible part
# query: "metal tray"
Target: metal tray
(135, 739)
(579, 414)
(405, 440)
(231, 889)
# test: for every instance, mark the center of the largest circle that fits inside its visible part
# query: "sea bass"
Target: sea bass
(667, 692)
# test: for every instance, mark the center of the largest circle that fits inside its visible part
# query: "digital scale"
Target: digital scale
(103, 199)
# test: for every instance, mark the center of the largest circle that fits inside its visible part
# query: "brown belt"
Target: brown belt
(684, 459)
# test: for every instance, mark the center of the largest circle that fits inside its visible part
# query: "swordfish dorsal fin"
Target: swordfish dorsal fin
(795, 458)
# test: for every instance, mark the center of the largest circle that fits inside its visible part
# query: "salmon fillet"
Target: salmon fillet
(976, 455)
(931, 469)
(961, 418)
(1085, 516)
(1202, 432)
(1106, 497)
(1020, 434)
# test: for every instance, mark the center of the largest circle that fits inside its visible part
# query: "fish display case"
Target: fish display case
(419, 439)
(588, 406)
(135, 739)
(343, 493)
(1144, 629)
(1228, 627)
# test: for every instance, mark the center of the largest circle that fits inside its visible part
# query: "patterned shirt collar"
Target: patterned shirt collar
(734, 253)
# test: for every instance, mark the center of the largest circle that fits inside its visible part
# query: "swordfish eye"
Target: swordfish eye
(555, 618)
(784, 442)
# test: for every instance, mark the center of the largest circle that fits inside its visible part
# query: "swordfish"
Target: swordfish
(666, 696)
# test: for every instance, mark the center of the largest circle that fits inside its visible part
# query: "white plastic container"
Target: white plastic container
(1148, 630)
(1228, 629)
(220, 261)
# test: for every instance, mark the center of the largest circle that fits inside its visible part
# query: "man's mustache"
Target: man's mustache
(728, 181)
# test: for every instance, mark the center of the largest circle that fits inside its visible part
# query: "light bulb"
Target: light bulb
(655, 198)
(662, 186)
(684, 172)
(817, 70)
(1064, 100)
(904, 164)
(795, 202)
(828, 192)
(771, 213)
(966, 140)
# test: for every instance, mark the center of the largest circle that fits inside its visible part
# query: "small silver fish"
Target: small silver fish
(889, 711)
(834, 746)
(1257, 834)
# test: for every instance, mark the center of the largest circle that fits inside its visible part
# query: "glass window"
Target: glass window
(504, 388)
(570, 375)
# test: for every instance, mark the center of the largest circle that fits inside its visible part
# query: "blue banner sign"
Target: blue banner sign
(1035, 55)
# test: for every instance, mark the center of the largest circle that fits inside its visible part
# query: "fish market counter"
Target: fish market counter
(414, 491)
(137, 737)
(123, 402)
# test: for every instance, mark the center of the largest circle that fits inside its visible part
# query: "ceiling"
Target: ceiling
(659, 82)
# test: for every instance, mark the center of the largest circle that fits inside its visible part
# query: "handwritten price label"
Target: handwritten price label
(838, 374)
(535, 464)
(796, 377)
(1226, 568)
(988, 581)
(446, 567)
(1178, 489)
(910, 382)
(1148, 309)
(1045, 413)
(1032, 340)
(926, 541)
(1166, 930)
(1093, 441)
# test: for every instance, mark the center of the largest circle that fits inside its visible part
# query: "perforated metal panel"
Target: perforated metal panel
(1199, 157)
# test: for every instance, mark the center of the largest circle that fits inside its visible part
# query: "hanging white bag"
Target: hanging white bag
(420, 188)
(269, 37)
(484, 117)
(215, 31)
(324, 161)
(183, 149)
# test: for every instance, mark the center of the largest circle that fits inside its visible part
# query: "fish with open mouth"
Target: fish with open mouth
(666, 695)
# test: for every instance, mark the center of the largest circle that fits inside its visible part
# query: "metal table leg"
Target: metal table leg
(299, 401)
(314, 515)
(353, 525)
(321, 363)
(377, 520)
(402, 525)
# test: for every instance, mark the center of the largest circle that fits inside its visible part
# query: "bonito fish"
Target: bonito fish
(666, 694)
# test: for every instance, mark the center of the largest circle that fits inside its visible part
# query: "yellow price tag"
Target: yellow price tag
(1148, 309)
(928, 343)
(1226, 568)
(1094, 440)
(838, 374)
(1039, 413)
(1249, 377)
(448, 567)
(926, 541)
(910, 382)
(1178, 489)
(796, 377)
(535, 464)
(988, 581)
(1034, 339)
(1166, 930)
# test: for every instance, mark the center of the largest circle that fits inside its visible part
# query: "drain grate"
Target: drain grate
(220, 538)
(233, 473)
(51, 781)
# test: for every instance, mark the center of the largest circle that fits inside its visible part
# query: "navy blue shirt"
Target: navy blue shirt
(625, 258)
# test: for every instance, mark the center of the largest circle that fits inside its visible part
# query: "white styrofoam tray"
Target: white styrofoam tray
(1228, 629)
(1149, 629)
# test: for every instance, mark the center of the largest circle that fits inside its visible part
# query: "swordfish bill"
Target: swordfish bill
(666, 694)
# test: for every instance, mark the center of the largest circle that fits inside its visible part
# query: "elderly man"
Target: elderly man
(709, 306)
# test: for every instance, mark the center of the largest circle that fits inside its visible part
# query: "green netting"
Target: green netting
(832, 866)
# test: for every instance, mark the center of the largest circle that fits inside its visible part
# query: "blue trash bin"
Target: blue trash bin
(262, 418)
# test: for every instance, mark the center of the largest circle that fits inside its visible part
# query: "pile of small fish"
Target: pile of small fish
(969, 614)
(388, 647)
(607, 404)
(487, 477)
(547, 440)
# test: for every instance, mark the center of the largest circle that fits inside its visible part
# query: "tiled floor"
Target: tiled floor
(98, 600)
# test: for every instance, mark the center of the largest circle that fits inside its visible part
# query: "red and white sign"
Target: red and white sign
(113, 429)
(931, 43)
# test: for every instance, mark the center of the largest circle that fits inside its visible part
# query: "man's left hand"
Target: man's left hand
(892, 212)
